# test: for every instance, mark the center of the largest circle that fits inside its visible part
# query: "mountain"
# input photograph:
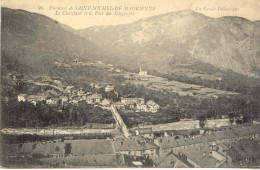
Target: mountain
(175, 41)
(35, 41)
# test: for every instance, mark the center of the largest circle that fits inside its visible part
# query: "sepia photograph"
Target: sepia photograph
(130, 84)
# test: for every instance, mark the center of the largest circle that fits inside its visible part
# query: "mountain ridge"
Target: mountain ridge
(160, 35)
(37, 41)
(167, 43)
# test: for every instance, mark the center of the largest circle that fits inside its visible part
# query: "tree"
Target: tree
(202, 121)
(67, 149)
(231, 117)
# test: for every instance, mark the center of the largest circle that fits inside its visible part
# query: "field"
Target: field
(186, 125)
(183, 89)
(132, 119)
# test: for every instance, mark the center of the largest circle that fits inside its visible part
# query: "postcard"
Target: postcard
(130, 84)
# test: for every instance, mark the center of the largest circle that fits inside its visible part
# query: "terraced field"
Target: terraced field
(183, 89)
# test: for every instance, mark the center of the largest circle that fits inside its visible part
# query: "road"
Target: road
(120, 122)
(54, 131)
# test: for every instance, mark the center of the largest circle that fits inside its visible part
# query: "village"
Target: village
(227, 147)
(180, 144)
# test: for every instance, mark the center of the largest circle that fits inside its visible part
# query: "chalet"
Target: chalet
(129, 101)
(22, 97)
(109, 88)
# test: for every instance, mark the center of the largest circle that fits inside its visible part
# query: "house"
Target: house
(145, 132)
(80, 92)
(92, 161)
(22, 97)
(105, 102)
(130, 161)
(141, 107)
(82, 147)
(131, 101)
(40, 149)
(117, 70)
(53, 101)
(200, 157)
(94, 98)
(95, 85)
(64, 99)
(244, 153)
(109, 88)
(135, 148)
(119, 105)
(111, 69)
(56, 81)
(170, 144)
(152, 106)
(169, 160)
(142, 73)
(35, 98)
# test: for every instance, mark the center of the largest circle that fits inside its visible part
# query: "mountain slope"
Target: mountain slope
(182, 38)
(36, 41)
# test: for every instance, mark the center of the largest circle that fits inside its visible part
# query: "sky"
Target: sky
(61, 10)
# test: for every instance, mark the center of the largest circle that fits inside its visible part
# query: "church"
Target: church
(142, 73)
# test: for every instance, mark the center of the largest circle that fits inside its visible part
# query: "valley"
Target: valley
(179, 89)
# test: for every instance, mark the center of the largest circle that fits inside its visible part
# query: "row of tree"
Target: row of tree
(24, 114)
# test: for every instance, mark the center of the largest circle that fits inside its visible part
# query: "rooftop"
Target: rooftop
(91, 147)
(168, 160)
(42, 148)
(201, 156)
(145, 130)
(132, 145)
(22, 95)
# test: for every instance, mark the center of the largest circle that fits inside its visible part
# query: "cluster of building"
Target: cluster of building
(138, 104)
(73, 99)
(234, 147)
(69, 94)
